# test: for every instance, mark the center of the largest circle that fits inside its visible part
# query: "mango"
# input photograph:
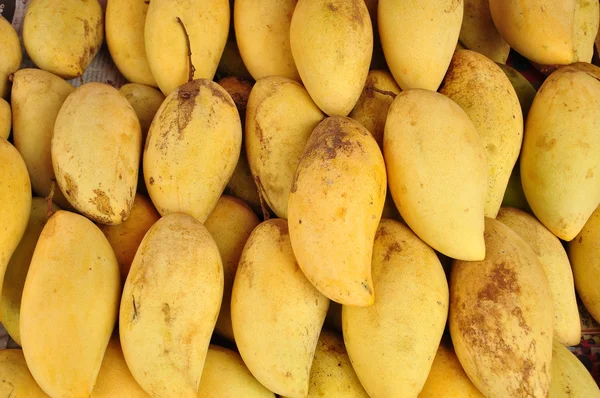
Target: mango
(501, 317)
(406, 322)
(16, 379)
(478, 32)
(10, 54)
(276, 330)
(524, 89)
(484, 92)
(421, 123)
(175, 29)
(125, 22)
(97, 119)
(63, 36)
(226, 376)
(145, 101)
(230, 224)
(560, 159)
(192, 148)
(5, 119)
(323, 33)
(334, 208)
(242, 185)
(36, 99)
(69, 306)
(262, 32)
(418, 39)
(280, 118)
(239, 89)
(570, 378)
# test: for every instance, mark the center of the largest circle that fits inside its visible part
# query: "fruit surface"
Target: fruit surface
(145, 101)
(17, 380)
(524, 89)
(570, 378)
(10, 54)
(5, 119)
(478, 32)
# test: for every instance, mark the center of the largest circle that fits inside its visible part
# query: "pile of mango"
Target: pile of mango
(301, 198)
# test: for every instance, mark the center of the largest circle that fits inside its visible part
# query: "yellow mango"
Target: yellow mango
(332, 45)
(524, 89)
(560, 159)
(372, 107)
(169, 306)
(279, 120)
(570, 378)
(36, 99)
(15, 196)
(10, 54)
(242, 185)
(586, 23)
(484, 92)
(447, 379)
(5, 119)
(125, 22)
(16, 271)
(226, 376)
(334, 208)
(418, 39)
(230, 224)
(17, 382)
(63, 36)
(69, 306)
(114, 379)
(437, 172)
(276, 329)
(262, 32)
(406, 323)
(145, 101)
(125, 238)
(96, 152)
(555, 262)
(478, 32)
(192, 148)
(501, 317)
(206, 24)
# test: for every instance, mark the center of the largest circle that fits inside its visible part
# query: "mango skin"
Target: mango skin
(125, 22)
(406, 323)
(169, 306)
(570, 378)
(145, 101)
(10, 54)
(418, 39)
(73, 280)
(501, 317)
(192, 149)
(334, 208)
(17, 380)
(560, 158)
(524, 89)
(278, 350)
(5, 119)
(321, 34)
(207, 26)
(478, 32)
(280, 118)
(36, 99)
(421, 184)
(64, 36)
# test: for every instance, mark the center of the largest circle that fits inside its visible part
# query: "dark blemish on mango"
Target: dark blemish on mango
(366, 286)
(332, 7)
(71, 186)
(166, 310)
(135, 309)
(151, 180)
(544, 143)
(102, 203)
(393, 248)
(502, 280)
(452, 6)
(217, 92)
(186, 102)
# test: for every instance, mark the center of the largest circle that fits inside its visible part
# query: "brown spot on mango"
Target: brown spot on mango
(71, 186)
(102, 203)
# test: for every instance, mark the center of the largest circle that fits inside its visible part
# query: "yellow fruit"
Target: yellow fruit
(586, 22)
(447, 379)
(96, 152)
(501, 316)
(570, 378)
(242, 185)
(433, 152)
(279, 120)
(372, 107)
(192, 148)
(334, 209)
(524, 89)
(560, 159)
(276, 329)
(69, 305)
(125, 22)
(262, 31)
(418, 39)
(484, 92)
(226, 376)
(126, 237)
(36, 99)
(115, 379)
(16, 271)
(5, 119)
(230, 224)
(406, 323)
(514, 196)
(10, 54)
(15, 196)
(16, 379)
(206, 24)
(63, 36)
(478, 32)
(145, 101)
(169, 306)
(332, 45)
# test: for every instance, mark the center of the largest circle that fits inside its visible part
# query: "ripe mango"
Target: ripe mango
(10, 54)
(478, 32)
(145, 101)
(524, 89)
(5, 119)
(16, 379)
